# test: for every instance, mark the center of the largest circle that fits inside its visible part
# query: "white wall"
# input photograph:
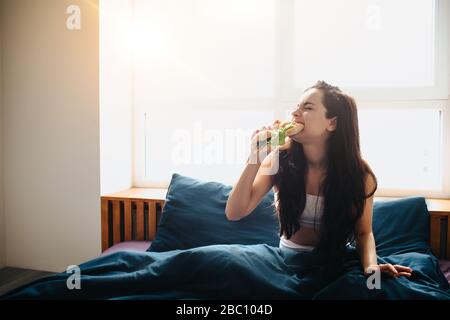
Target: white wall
(116, 96)
(2, 224)
(51, 134)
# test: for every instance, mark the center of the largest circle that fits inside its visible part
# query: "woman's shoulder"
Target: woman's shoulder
(371, 183)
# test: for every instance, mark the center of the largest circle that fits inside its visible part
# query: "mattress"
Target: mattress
(128, 246)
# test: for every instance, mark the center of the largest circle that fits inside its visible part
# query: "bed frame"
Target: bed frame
(131, 215)
(134, 214)
(440, 227)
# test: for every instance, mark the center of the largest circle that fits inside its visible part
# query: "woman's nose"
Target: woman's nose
(296, 112)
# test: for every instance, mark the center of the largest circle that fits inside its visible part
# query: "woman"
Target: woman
(324, 189)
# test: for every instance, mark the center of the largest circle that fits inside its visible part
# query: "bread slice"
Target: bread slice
(294, 128)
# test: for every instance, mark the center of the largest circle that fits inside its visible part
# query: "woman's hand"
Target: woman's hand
(394, 271)
(260, 144)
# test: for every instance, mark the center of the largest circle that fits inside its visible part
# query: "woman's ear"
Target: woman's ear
(333, 124)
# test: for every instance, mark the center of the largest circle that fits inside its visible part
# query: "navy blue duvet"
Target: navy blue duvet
(261, 271)
(237, 272)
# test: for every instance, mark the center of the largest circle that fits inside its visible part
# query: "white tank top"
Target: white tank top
(312, 214)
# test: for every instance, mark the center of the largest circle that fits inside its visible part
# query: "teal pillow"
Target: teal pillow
(401, 226)
(194, 216)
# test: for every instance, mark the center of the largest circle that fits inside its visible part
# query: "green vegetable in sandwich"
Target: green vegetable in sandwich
(280, 134)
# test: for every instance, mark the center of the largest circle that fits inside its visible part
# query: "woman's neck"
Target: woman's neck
(315, 156)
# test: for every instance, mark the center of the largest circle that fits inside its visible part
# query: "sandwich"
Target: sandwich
(280, 132)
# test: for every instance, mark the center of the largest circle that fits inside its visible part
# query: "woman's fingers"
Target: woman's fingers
(404, 274)
(286, 145)
(260, 144)
(400, 268)
(389, 268)
(261, 139)
(403, 271)
(392, 269)
(263, 129)
(396, 270)
(276, 124)
(264, 135)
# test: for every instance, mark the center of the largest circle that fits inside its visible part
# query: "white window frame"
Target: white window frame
(439, 91)
(441, 105)
(287, 97)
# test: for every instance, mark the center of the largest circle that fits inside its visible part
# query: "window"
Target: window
(364, 43)
(204, 50)
(407, 156)
(221, 68)
(205, 78)
(206, 143)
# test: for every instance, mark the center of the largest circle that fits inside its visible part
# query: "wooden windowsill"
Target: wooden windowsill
(439, 210)
(138, 193)
(436, 206)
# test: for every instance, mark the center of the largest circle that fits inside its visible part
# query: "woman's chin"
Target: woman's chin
(298, 137)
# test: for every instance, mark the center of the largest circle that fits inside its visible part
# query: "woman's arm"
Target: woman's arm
(247, 193)
(253, 184)
(365, 241)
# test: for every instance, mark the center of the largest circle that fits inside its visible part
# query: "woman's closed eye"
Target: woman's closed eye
(302, 107)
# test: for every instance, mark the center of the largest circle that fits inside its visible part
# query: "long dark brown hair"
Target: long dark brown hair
(343, 187)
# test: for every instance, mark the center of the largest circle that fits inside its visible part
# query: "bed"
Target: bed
(142, 246)
(183, 247)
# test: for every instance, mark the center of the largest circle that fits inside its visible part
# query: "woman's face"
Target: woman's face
(311, 113)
